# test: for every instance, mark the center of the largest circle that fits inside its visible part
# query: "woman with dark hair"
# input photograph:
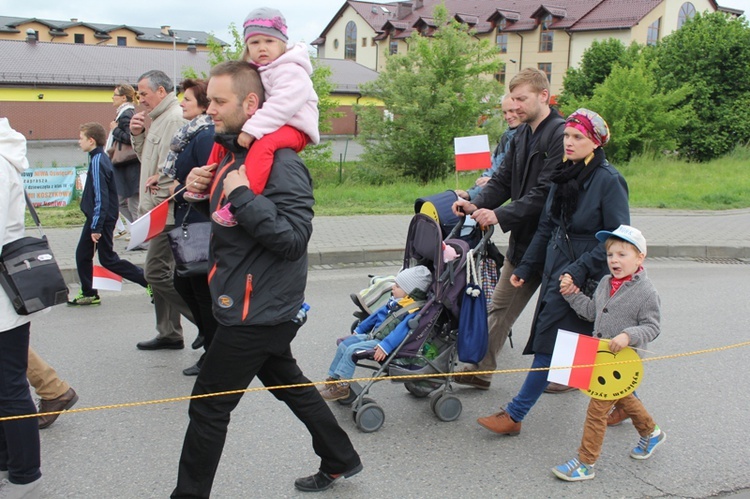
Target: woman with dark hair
(191, 147)
(128, 172)
(587, 195)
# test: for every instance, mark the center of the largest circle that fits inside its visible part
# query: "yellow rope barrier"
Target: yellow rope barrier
(399, 377)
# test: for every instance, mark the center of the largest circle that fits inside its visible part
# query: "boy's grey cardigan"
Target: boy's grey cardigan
(634, 309)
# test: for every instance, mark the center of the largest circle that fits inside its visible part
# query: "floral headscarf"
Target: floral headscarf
(590, 124)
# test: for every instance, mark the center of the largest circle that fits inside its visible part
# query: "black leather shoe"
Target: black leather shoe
(322, 480)
(161, 344)
(198, 342)
(193, 370)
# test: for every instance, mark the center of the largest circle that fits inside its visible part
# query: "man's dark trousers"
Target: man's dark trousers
(236, 356)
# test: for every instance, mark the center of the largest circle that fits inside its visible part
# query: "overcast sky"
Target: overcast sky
(306, 18)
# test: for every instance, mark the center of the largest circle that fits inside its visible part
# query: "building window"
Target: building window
(502, 38)
(546, 68)
(502, 42)
(364, 41)
(350, 41)
(78, 38)
(373, 41)
(122, 41)
(500, 75)
(546, 36)
(393, 47)
(687, 11)
(653, 32)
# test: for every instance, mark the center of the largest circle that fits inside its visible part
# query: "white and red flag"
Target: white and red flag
(472, 153)
(149, 225)
(104, 279)
(571, 350)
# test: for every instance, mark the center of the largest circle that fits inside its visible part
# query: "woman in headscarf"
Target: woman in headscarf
(587, 195)
(190, 147)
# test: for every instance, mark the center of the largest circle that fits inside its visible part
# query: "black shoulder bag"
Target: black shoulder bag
(29, 273)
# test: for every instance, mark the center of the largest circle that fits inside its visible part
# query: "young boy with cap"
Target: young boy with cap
(384, 330)
(626, 310)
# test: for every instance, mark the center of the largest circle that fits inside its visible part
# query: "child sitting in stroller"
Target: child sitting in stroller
(383, 330)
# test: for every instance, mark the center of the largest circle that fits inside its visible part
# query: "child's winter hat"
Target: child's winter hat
(418, 277)
(265, 21)
(626, 233)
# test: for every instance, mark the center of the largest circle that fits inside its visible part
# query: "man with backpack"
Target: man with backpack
(523, 179)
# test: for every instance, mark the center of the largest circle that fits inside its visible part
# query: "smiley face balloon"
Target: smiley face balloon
(614, 381)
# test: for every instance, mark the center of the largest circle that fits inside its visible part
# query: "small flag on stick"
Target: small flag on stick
(149, 225)
(472, 153)
(573, 349)
(104, 279)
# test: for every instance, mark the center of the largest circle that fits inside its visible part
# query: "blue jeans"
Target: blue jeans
(343, 366)
(19, 439)
(531, 390)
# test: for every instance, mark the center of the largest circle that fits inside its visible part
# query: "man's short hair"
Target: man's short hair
(95, 131)
(156, 79)
(533, 77)
(245, 79)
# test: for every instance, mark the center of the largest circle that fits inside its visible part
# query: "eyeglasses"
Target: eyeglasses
(116, 95)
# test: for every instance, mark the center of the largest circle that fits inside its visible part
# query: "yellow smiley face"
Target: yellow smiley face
(615, 381)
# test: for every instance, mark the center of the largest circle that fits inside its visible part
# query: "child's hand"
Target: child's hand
(245, 139)
(567, 287)
(379, 354)
(95, 237)
(619, 342)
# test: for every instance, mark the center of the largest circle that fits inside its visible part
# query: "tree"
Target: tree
(711, 53)
(641, 119)
(433, 93)
(596, 64)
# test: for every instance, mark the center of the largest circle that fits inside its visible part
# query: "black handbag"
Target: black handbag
(189, 243)
(29, 273)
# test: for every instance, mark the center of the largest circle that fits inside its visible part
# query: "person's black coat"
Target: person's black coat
(602, 205)
(524, 178)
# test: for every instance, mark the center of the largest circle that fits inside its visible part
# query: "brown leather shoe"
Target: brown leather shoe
(558, 388)
(61, 403)
(472, 380)
(500, 423)
(616, 417)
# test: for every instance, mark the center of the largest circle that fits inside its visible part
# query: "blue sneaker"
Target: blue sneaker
(646, 445)
(574, 471)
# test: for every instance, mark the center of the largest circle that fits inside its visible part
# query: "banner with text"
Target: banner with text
(50, 186)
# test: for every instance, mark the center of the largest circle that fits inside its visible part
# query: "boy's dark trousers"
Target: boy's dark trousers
(107, 257)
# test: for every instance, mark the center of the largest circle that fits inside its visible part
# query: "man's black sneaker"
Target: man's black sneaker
(322, 480)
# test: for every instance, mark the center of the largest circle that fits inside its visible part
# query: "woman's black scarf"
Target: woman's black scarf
(569, 180)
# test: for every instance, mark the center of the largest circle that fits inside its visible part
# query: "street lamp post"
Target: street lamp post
(174, 59)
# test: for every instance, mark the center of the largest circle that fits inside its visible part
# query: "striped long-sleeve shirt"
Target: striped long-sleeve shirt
(99, 200)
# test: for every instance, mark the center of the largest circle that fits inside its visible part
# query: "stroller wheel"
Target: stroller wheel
(369, 418)
(446, 407)
(365, 401)
(422, 388)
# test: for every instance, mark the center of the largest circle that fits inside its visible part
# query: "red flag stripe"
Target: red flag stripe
(102, 272)
(473, 161)
(158, 219)
(580, 377)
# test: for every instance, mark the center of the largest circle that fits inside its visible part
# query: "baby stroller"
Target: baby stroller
(430, 346)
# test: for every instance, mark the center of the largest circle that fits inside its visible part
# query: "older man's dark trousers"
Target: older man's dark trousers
(236, 356)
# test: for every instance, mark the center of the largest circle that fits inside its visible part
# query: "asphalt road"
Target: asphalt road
(700, 401)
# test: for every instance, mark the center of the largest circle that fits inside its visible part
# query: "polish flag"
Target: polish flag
(149, 225)
(573, 349)
(104, 279)
(472, 153)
